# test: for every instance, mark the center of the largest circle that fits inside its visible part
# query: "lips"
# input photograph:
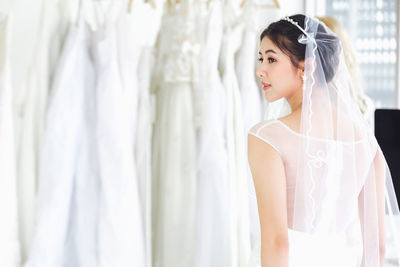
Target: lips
(266, 86)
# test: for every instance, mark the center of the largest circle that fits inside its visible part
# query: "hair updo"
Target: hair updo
(285, 36)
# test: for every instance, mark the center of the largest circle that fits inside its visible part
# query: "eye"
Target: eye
(271, 60)
(260, 59)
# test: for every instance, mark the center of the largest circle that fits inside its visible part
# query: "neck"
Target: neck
(295, 101)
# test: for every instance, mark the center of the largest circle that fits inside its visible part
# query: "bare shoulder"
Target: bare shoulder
(269, 180)
(292, 121)
(258, 147)
(262, 156)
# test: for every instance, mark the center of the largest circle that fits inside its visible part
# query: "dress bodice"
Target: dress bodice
(346, 176)
(178, 44)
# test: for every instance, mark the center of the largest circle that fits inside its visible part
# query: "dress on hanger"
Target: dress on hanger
(251, 97)
(9, 243)
(174, 142)
(239, 224)
(31, 103)
(65, 228)
(143, 143)
(212, 209)
(120, 225)
(139, 41)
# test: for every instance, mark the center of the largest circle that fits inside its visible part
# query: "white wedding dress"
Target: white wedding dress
(212, 210)
(120, 225)
(238, 179)
(174, 140)
(65, 227)
(307, 249)
(143, 143)
(142, 13)
(251, 95)
(9, 242)
(31, 103)
(89, 212)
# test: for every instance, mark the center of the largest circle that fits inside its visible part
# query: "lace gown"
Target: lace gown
(174, 142)
(307, 249)
(212, 210)
(9, 243)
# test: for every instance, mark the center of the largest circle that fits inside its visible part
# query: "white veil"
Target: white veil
(342, 175)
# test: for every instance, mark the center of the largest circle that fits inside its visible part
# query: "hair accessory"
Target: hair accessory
(295, 23)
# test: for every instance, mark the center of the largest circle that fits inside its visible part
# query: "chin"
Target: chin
(271, 98)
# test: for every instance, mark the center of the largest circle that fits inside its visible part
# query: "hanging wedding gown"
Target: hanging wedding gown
(120, 240)
(31, 108)
(66, 226)
(31, 103)
(143, 143)
(251, 97)
(239, 223)
(89, 212)
(143, 13)
(174, 143)
(9, 242)
(212, 210)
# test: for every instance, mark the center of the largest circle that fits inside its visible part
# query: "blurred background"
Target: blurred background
(123, 124)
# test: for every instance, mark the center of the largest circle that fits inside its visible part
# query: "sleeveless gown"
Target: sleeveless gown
(212, 210)
(9, 242)
(174, 139)
(308, 249)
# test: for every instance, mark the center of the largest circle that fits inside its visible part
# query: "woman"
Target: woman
(319, 168)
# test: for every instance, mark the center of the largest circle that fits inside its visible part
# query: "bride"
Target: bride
(319, 169)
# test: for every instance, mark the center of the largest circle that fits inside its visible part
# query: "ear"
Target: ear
(302, 65)
(300, 69)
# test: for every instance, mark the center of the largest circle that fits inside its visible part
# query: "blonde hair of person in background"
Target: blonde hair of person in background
(363, 101)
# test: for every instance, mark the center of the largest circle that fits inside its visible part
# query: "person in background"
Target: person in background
(365, 103)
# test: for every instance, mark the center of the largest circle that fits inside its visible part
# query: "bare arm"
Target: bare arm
(379, 168)
(270, 184)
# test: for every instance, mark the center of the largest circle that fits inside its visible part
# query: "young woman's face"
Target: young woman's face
(277, 73)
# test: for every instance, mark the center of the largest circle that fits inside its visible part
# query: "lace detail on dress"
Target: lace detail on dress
(180, 58)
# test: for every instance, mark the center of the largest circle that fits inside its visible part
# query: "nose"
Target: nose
(260, 72)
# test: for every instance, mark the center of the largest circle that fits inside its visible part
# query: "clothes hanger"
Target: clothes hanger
(152, 3)
(79, 13)
(173, 2)
(129, 6)
(274, 5)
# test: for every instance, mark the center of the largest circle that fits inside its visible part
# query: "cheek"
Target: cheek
(284, 82)
(291, 83)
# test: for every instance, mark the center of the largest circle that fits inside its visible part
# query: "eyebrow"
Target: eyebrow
(266, 51)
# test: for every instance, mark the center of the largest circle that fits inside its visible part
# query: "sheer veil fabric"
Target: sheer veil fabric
(335, 170)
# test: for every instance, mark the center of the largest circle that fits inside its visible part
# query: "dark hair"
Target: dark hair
(285, 36)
